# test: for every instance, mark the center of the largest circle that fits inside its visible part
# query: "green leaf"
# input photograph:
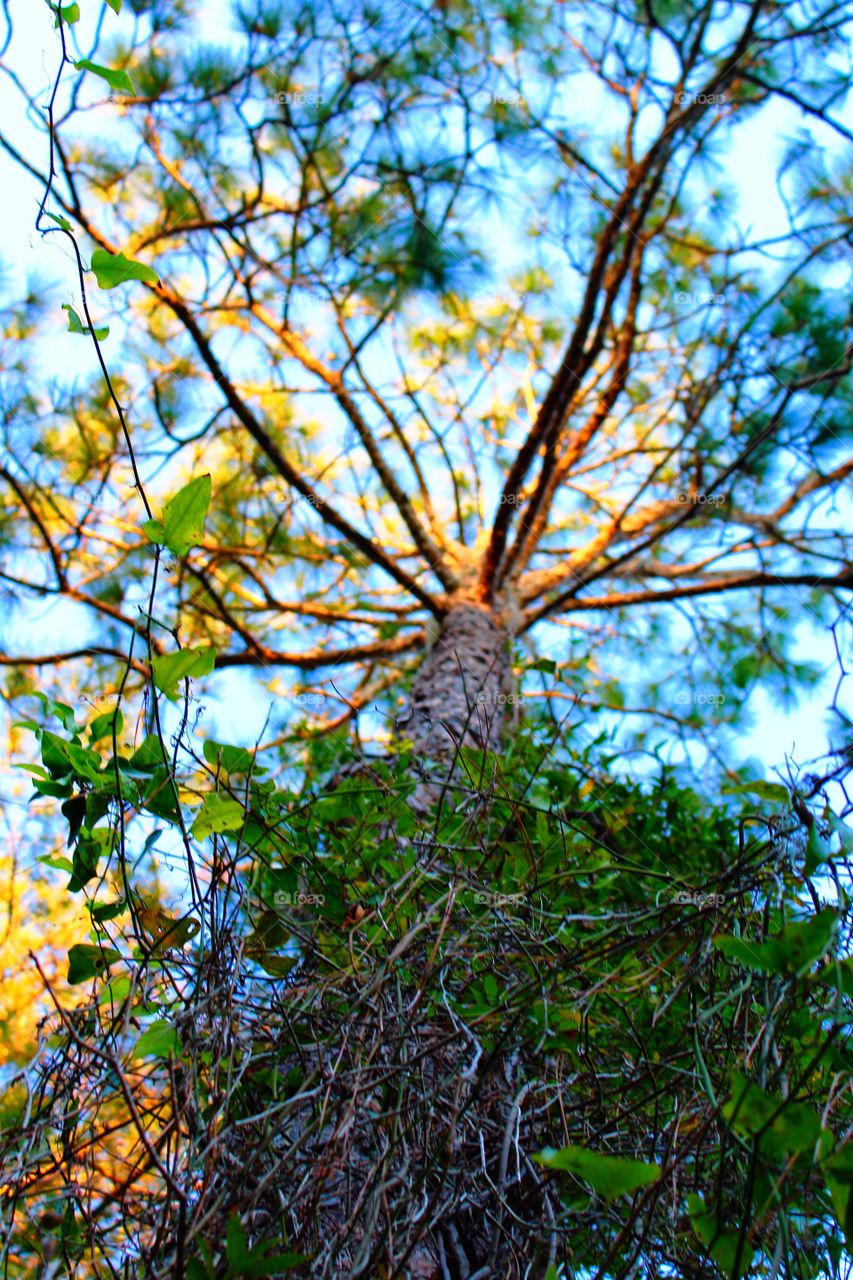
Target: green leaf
(236, 1245)
(750, 1111)
(64, 714)
(102, 726)
(231, 759)
(59, 220)
(112, 269)
(275, 966)
(201, 1268)
(171, 668)
(158, 797)
(844, 833)
(548, 665)
(76, 325)
(182, 524)
(761, 956)
(818, 850)
(794, 951)
(147, 757)
(115, 5)
(116, 80)
(722, 1243)
(218, 814)
(57, 789)
(116, 990)
(773, 791)
(107, 910)
(838, 974)
(610, 1176)
(270, 931)
(59, 864)
(84, 864)
(74, 809)
(160, 1040)
(87, 962)
(838, 1171)
(67, 13)
(273, 1264)
(61, 757)
(257, 1261)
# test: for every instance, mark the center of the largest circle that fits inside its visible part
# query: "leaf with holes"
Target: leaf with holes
(86, 962)
(218, 814)
(164, 931)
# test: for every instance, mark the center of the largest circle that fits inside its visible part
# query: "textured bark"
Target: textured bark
(459, 696)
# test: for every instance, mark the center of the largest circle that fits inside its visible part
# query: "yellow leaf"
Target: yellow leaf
(163, 931)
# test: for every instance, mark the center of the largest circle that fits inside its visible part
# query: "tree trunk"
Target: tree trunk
(458, 698)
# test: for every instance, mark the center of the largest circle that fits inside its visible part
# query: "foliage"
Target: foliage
(409, 1009)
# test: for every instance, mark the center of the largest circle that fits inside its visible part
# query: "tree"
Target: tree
(416, 369)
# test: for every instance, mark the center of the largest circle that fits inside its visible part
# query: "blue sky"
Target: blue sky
(751, 166)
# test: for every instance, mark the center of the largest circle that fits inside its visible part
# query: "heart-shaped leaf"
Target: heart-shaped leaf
(794, 950)
(86, 962)
(218, 814)
(785, 1127)
(721, 1242)
(112, 269)
(182, 523)
(171, 668)
(160, 1040)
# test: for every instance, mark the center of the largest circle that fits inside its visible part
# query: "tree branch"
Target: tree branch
(708, 586)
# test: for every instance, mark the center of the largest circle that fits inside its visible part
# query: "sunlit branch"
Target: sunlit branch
(842, 581)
